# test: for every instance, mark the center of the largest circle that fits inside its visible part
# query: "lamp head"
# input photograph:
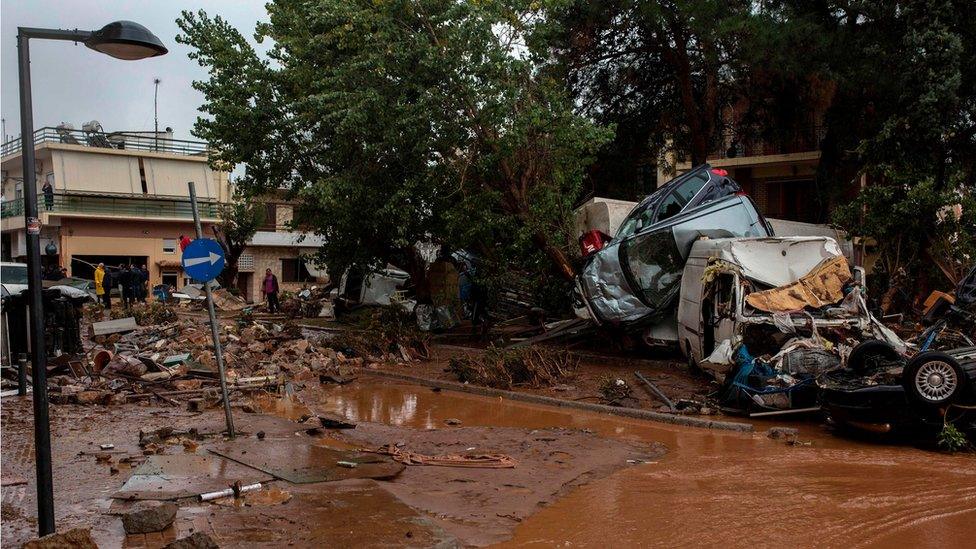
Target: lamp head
(126, 40)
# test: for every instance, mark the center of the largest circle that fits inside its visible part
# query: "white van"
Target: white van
(721, 273)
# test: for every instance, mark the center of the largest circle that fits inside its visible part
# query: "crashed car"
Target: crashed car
(767, 317)
(892, 395)
(635, 279)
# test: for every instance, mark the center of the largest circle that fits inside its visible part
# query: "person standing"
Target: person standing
(125, 282)
(143, 283)
(270, 289)
(48, 189)
(103, 286)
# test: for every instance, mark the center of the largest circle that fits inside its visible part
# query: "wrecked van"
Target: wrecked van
(635, 279)
(724, 280)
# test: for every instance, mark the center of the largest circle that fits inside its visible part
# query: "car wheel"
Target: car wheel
(868, 354)
(933, 378)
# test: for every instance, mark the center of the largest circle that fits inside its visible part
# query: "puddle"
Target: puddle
(285, 406)
(713, 488)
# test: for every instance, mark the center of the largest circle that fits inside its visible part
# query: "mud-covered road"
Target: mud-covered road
(585, 479)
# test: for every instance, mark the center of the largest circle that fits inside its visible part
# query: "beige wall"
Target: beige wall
(93, 237)
(269, 257)
(91, 170)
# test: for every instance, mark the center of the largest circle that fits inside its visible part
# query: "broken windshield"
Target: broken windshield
(653, 264)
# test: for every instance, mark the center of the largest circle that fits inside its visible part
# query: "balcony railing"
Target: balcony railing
(122, 206)
(116, 141)
(743, 143)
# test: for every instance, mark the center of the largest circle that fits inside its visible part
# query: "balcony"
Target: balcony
(740, 144)
(114, 141)
(125, 206)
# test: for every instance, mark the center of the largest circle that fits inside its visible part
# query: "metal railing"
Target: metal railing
(738, 144)
(115, 140)
(122, 206)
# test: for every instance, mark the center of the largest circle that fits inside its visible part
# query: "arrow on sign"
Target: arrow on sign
(214, 258)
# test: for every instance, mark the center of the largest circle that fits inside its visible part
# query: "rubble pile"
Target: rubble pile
(508, 368)
(311, 302)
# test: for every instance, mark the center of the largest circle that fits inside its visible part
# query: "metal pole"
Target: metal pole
(42, 427)
(156, 113)
(22, 374)
(215, 332)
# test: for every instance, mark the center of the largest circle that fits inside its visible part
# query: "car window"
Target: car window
(13, 274)
(681, 196)
(637, 220)
(653, 265)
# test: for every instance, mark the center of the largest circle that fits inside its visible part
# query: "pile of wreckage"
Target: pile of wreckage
(175, 361)
(772, 318)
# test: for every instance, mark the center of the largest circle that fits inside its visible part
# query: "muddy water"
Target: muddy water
(714, 488)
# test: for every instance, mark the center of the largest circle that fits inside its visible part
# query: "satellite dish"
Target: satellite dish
(92, 127)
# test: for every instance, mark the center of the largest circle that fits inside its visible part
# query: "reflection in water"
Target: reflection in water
(715, 488)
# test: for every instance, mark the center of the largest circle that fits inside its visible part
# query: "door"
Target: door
(244, 286)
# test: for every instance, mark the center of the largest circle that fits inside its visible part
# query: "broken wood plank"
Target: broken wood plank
(119, 325)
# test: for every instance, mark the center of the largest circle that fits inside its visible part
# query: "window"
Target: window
(245, 263)
(169, 245)
(270, 217)
(653, 266)
(170, 278)
(293, 270)
(681, 196)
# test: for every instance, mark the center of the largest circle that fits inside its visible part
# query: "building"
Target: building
(778, 174)
(277, 246)
(119, 197)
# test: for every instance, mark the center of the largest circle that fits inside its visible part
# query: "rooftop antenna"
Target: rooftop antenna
(156, 82)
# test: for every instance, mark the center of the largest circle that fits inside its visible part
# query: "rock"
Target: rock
(76, 538)
(196, 404)
(782, 432)
(88, 397)
(452, 421)
(187, 384)
(706, 411)
(149, 518)
(196, 540)
(302, 345)
(256, 347)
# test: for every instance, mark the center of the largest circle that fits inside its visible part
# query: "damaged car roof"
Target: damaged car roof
(773, 261)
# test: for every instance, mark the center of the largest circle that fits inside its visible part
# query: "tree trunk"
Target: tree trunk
(559, 259)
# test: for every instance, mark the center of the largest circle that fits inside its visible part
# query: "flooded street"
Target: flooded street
(714, 488)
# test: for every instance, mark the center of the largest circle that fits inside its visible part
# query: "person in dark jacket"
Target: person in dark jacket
(48, 195)
(124, 280)
(270, 288)
(143, 283)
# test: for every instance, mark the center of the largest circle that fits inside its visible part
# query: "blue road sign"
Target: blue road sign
(203, 259)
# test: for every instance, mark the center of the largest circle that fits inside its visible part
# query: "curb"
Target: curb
(550, 401)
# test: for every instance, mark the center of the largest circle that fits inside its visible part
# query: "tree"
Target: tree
(239, 221)
(661, 71)
(394, 122)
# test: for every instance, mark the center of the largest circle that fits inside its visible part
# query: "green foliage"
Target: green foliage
(952, 439)
(239, 220)
(400, 121)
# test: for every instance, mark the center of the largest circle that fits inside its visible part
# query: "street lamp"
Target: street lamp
(122, 40)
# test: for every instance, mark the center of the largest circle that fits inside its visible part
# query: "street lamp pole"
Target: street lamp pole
(123, 40)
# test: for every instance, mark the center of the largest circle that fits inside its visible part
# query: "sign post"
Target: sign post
(203, 260)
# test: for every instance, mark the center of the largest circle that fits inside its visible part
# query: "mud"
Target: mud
(711, 488)
(714, 488)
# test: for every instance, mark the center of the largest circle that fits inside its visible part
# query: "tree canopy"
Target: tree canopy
(393, 122)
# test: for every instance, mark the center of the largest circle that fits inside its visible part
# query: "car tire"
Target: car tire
(933, 378)
(867, 353)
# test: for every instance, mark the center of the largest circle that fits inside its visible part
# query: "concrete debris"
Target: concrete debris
(776, 433)
(149, 517)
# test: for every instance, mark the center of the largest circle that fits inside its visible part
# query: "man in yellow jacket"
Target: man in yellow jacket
(103, 292)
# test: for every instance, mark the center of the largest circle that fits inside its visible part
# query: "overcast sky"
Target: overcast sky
(72, 83)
